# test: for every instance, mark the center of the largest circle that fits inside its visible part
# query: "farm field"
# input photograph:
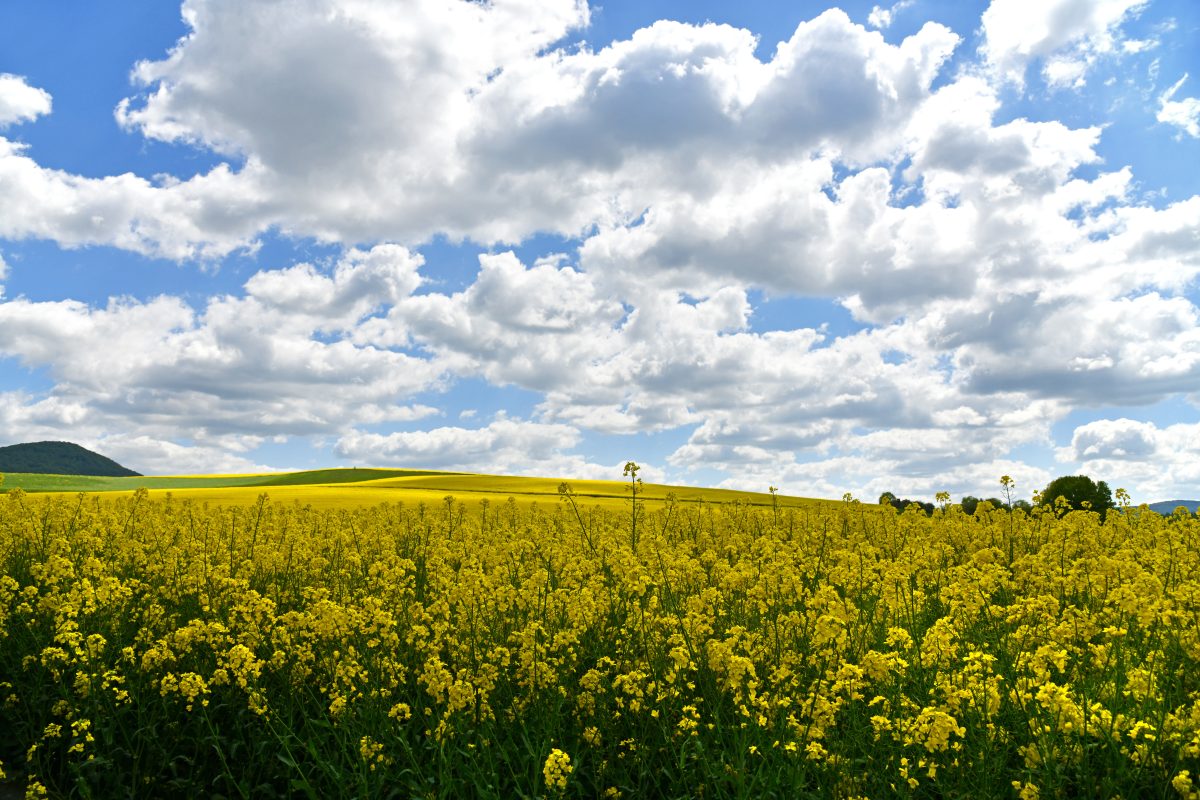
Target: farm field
(155, 646)
(38, 482)
(351, 488)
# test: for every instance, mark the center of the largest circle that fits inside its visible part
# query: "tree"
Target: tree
(969, 504)
(890, 499)
(1079, 492)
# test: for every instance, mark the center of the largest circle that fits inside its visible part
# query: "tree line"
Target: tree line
(1068, 493)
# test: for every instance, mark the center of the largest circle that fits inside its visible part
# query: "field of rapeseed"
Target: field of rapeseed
(156, 648)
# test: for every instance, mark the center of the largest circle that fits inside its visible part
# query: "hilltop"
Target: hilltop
(1169, 506)
(59, 458)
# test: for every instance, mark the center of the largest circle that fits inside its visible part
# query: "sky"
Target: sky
(827, 248)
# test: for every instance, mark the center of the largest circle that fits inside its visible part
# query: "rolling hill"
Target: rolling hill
(1169, 506)
(59, 458)
(348, 488)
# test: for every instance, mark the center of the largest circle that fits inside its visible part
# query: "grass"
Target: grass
(37, 482)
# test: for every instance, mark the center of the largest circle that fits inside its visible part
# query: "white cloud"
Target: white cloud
(996, 198)
(1112, 439)
(515, 325)
(1065, 72)
(503, 445)
(1162, 463)
(359, 121)
(350, 75)
(1183, 114)
(25, 419)
(882, 17)
(999, 286)
(207, 216)
(673, 360)
(154, 456)
(279, 359)
(20, 102)
(866, 477)
(1068, 35)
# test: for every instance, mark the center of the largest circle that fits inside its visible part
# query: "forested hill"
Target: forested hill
(1169, 506)
(59, 458)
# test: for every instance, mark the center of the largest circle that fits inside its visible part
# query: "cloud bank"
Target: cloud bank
(1002, 273)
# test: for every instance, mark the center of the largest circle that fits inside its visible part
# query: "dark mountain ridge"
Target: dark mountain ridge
(59, 458)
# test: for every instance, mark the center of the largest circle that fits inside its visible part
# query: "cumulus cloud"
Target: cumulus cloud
(365, 121)
(867, 477)
(25, 418)
(20, 102)
(1068, 36)
(516, 325)
(204, 217)
(1162, 463)
(672, 360)
(1112, 439)
(156, 456)
(882, 17)
(1003, 271)
(279, 359)
(1183, 114)
(503, 445)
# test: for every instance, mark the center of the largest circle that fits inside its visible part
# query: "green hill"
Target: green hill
(59, 458)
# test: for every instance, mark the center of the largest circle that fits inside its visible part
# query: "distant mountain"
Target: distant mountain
(59, 458)
(1168, 506)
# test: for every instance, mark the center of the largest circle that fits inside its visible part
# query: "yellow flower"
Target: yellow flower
(371, 751)
(557, 770)
(1027, 791)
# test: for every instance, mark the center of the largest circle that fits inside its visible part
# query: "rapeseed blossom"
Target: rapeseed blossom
(557, 770)
(845, 650)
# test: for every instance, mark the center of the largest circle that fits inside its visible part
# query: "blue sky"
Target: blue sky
(829, 248)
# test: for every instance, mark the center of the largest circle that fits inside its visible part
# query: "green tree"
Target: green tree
(1079, 492)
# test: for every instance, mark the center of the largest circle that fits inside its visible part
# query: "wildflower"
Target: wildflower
(371, 751)
(1027, 791)
(557, 770)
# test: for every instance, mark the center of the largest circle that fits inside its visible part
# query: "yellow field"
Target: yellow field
(468, 489)
(436, 648)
